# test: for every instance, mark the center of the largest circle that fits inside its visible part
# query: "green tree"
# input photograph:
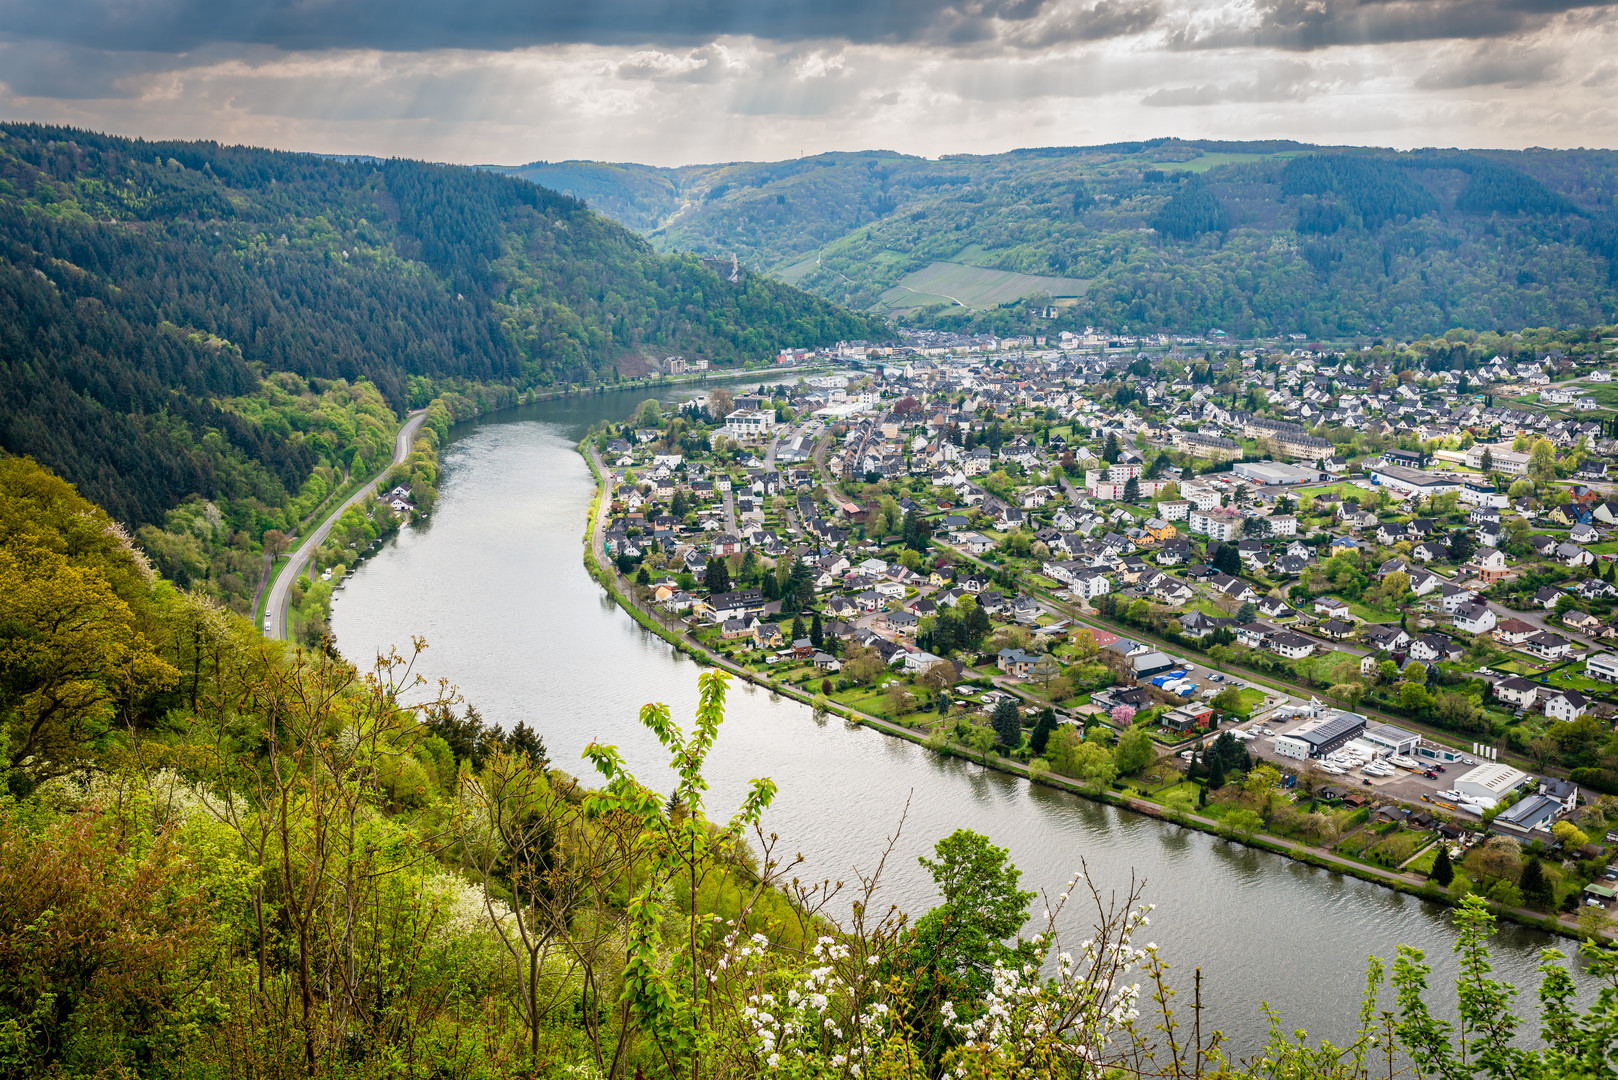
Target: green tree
(717, 578)
(1261, 781)
(1542, 461)
(1135, 751)
(951, 954)
(1244, 822)
(817, 635)
(1109, 449)
(650, 414)
(1537, 891)
(1007, 722)
(1043, 730)
(1227, 700)
(1461, 545)
(1131, 490)
(1443, 869)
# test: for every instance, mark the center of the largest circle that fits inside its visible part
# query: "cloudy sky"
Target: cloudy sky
(678, 81)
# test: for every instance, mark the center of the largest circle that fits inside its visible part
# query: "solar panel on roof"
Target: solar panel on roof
(1341, 724)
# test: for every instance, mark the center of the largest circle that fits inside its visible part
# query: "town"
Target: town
(1310, 592)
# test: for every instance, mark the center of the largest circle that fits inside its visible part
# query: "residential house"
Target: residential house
(1548, 646)
(1565, 705)
(1274, 607)
(1292, 646)
(1514, 631)
(1388, 637)
(1255, 634)
(1516, 691)
(1331, 607)
(1432, 647)
(1475, 619)
(1197, 625)
(1602, 667)
(1015, 662)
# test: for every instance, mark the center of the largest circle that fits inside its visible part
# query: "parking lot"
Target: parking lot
(1403, 785)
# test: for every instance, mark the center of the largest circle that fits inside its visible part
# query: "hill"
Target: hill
(156, 299)
(1253, 238)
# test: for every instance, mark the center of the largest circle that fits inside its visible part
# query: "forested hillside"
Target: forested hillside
(1251, 238)
(241, 328)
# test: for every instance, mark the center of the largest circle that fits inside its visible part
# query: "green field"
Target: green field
(973, 287)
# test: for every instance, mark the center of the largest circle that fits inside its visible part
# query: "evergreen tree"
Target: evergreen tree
(526, 741)
(1216, 775)
(976, 627)
(1247, 612)
(798, 631)
(817, 636)
(1042, 731)
(916, 531)
(1131, 489)
(1536, 887)
(1461, 545)
(643, 577)
(1007, 723)
(718, 576)
(1443, 871)
(1487, 464)
(1109, 451)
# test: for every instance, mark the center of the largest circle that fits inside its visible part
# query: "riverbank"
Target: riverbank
(675, 633)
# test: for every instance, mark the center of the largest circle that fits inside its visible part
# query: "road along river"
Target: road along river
(496, 585)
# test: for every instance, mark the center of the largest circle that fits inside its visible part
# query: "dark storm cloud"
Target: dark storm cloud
(415, 25)
(1318, 24)
(1096, 22)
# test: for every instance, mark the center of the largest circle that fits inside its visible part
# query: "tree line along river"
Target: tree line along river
(496, 584)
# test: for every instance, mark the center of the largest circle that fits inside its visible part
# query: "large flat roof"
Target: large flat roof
(1332, 727)
(1417, 477)
(1494, 777)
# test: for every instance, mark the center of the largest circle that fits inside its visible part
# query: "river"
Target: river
(496, 585)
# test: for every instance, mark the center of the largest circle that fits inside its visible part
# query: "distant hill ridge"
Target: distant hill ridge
(150, 290)
(1250, 237)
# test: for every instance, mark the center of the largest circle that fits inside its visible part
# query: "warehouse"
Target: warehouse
(1490, 781)
(1315, 739)
(1413, 481)
(1387, 738)
(1275, 472)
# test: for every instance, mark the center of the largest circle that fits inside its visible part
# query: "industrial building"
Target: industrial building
(1413, 481)
(1490, 781)
(1315, 739)
(1275, 472)
(1389, 739)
